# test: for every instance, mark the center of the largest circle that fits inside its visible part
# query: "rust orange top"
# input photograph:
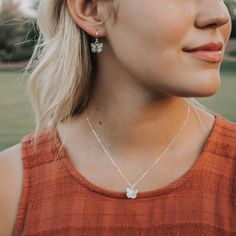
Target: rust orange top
(57, 200)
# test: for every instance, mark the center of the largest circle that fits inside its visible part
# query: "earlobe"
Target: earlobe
(85, 14)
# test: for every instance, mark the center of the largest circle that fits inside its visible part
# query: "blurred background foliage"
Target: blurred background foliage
(18, 36)
(18, 32)
(231, 4)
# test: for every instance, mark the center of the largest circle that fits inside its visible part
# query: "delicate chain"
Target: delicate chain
(154, 163)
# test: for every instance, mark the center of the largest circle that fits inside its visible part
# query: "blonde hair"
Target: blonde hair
(63, 68)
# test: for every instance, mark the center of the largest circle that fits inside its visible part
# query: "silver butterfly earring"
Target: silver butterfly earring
(96, 47)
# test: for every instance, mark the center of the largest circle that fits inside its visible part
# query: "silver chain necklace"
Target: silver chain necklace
(131, 191)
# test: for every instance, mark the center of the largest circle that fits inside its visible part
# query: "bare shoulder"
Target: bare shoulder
(11, 180)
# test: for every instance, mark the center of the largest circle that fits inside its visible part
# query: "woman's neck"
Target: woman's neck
(125, 125)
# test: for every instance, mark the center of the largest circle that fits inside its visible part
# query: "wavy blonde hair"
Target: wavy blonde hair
(63, 69)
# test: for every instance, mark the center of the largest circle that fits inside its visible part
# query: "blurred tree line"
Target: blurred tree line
(18, 33)
(231, 4)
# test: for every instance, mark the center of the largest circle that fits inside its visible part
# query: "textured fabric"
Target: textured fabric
(57, 200)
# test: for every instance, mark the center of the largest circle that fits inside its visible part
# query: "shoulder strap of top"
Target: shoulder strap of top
(33, 156)
(224, 143)
(42, 152)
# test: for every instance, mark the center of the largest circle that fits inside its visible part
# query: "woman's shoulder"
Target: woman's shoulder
(11, 180)
(227, 122)
(13, 161)
(223, 147)
(10, 159)
(226, 129)
(10, 167)
(223, 139)
(15, 154)
(40, 148)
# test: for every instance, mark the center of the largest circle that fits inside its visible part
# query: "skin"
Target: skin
(144, 75)
(139, 102)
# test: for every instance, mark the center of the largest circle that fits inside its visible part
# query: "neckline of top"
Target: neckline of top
(141, 195)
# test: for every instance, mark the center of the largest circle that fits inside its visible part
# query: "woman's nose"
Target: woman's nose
(212, 13)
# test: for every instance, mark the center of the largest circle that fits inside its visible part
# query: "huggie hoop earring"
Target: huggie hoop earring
(96, 47)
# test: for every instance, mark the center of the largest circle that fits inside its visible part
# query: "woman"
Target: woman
(120, 146)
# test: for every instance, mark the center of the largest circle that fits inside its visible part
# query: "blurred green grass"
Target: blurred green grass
(16, 119)
(232, 53)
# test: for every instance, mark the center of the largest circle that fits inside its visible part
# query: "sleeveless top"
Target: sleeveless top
(57, 200)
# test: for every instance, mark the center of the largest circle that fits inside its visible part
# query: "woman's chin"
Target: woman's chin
(208, 87)
(200, 87)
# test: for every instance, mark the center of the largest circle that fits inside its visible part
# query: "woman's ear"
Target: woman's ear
(87, 15)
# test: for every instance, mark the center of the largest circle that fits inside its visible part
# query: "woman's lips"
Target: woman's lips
(209, 56)
(210, 52)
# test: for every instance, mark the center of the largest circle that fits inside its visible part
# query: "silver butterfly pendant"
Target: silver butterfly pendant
(131, 193)
(96, 47)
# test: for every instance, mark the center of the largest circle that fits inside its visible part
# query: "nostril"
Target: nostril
(213, 25)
